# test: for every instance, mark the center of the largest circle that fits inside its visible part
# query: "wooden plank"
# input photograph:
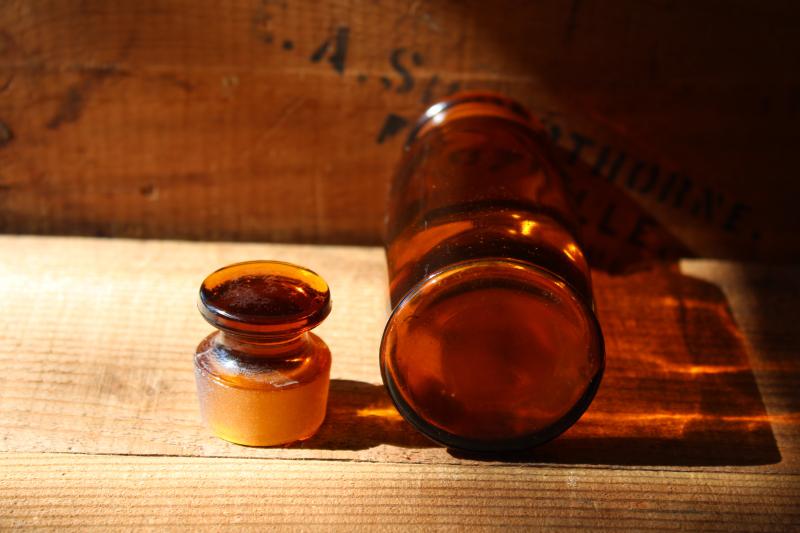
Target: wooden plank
(695, 426)
(185, 119)
(62, 491)
(98, 360)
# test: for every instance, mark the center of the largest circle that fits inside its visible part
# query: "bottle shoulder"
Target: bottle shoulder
(242, 369)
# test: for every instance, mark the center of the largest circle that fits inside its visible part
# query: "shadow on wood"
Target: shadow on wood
(678, 387)
(360, 416)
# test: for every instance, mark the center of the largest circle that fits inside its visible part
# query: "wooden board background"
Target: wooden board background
(695, 425)
(270, 120)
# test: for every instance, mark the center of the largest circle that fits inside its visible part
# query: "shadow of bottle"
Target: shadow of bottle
(678, 390)
(360, 416)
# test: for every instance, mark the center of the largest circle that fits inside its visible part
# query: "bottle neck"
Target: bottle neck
(259, 346)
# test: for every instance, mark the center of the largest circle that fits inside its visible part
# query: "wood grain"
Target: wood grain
(189, 120)
(110, 492)
(695, 425)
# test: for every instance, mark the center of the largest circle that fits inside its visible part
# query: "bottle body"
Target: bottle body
(262, 397)
(493, 343)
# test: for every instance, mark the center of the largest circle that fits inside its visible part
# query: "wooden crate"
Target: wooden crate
(270, 120)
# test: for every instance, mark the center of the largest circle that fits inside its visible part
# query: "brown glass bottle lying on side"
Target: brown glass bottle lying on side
(493, 344)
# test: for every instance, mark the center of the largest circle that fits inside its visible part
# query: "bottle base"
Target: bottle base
(492, 355)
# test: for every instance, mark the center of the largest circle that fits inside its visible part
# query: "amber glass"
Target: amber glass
(493, 344)
(262, 378)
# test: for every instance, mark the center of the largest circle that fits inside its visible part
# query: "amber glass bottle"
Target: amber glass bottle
(262, 378)
(493, 344)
